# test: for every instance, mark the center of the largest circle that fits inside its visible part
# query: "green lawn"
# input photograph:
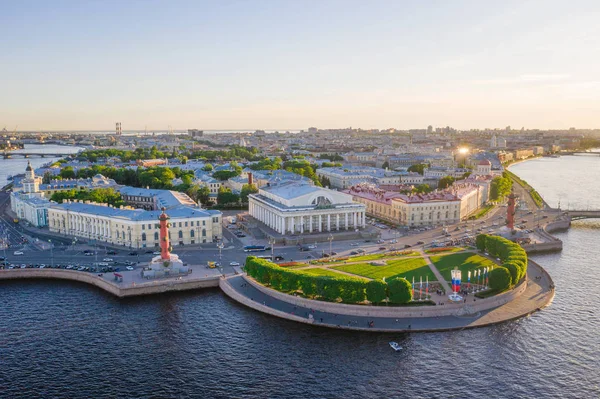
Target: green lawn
(378, 256)
(445, 251)
(399, 267)
(325, 272)
(465, 261)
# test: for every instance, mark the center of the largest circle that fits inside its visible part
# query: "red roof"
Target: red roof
(485, 162)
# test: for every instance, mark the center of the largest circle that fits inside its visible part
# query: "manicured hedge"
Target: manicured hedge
(513, 257)
(348, 289)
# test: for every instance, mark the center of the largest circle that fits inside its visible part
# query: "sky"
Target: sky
(219, 65)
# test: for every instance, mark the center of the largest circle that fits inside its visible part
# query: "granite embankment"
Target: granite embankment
(119, 290)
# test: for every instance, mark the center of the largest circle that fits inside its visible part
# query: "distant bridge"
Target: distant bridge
(580, 153)
(576, 214)
(9, 154)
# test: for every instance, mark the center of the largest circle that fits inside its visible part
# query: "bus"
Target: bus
(255, 248)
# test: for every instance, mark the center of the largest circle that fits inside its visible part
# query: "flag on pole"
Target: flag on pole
(469, 279)
(420, 287)
(486, 277)
(413, 287)
(458, 278)
(427, 286)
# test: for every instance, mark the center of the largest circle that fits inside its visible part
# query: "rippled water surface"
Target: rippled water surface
(62, 339)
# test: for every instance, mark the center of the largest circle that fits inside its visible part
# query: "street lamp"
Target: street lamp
(51, 253)
(272, 242)
(330, 238)
(220, 245)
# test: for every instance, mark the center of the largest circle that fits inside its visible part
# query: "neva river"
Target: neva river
(62, 339)
(17, 165)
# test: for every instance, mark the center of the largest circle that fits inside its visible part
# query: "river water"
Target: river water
(17, 165)
(61, 339)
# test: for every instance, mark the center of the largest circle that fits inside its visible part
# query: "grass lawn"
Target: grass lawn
(370, 257)
(444, 250)
(465, 261)
(399, 267)
(326, 272)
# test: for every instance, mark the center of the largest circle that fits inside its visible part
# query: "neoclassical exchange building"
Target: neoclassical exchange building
(296, 207)
(134, 228)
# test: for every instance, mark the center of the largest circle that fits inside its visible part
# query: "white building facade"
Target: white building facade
(134, 228)
(299, 208)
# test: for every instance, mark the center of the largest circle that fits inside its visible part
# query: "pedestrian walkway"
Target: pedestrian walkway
(435, 271)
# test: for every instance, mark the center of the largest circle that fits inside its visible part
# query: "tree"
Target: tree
(226, 196)
(399, 290)
(247, 189)
(208, 168)
(500, 187)
(500, 279)
(67, 173)
(445, 182)
(225, 174)
(419, 168)
(422, 189)
(480, 242)
(376, 291)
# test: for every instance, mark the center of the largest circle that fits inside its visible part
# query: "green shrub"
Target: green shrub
(500, 279)
(376, 291)
(399, 290)
(480, 241)
(514, 272)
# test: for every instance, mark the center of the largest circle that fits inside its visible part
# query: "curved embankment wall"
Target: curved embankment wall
(395, 311)
(154, 287)
(552, 243)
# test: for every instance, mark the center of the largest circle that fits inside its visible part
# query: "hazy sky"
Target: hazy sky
(293, 64)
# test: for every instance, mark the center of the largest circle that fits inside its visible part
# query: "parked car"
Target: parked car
(107, 260)
(149, 251)
(156, 253)
(18, 253)
(234, 263)
(130, 268)
(88, 253)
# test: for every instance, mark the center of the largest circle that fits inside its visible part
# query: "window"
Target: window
(203, 233)
(156, 236)
(149, 226)
(143, 236)
(186, 224)
(143, 227)
(204, 223)
(180, 233)
(192, 233)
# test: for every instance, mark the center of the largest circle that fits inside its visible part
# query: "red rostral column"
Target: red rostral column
(164, 235)
(510, 211)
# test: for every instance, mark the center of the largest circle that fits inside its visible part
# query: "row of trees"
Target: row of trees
(99, 195)
(333, 289)
(500, 187)
(513, 257)
(233, 152)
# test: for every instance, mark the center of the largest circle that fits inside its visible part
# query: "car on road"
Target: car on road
(305, 248)
(407, 245)
(360, 251)
(18, 253)
(133, 253)
(382, 248)
(278, 257)
(88, 253)
(312, 246)
(420, 242)
(111, 253)
(354, 253)
(108, 260)
(393, 241)
(354, 244)
(156, 253)
(380, 241)
(234, 263)
(130, 268)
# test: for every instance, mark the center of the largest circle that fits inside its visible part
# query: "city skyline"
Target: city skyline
(288, 66)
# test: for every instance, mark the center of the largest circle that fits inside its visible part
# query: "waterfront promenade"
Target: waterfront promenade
(537, 294)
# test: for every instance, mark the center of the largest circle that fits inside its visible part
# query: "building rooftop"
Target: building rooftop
(178, 212)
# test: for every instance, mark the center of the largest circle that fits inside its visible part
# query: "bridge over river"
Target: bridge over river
(28, 154)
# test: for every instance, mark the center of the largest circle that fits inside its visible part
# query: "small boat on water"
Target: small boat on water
(395, 346)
